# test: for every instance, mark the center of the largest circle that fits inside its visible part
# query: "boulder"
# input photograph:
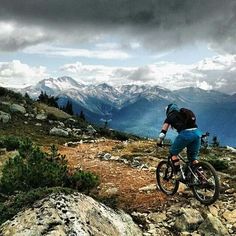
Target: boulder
(58, 132)
(74, 214)
(4, 117)
(17, 108)
(189, 220)
(212, 226)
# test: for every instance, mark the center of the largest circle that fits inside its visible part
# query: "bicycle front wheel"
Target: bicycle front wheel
(205, 183)
(164, 174)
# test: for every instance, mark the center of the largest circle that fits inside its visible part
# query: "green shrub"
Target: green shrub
(10, 143)
(114, 134)
(217, 163)
(52, 116)
(9, 94)
(32, 168)
(83, 181)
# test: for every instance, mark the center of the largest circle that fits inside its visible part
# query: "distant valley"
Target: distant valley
(139, 109)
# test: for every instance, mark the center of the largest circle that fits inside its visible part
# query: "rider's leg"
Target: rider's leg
(179, 144)
(193, 148)
(176, 163)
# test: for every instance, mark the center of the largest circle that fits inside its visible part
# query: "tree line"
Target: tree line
(52, 101)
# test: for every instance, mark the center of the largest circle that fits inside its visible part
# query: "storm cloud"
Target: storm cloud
(155, 24)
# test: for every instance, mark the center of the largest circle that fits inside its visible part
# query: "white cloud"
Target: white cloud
(216, 73)
(15, 74)
(213, 73)
(109, 53)
(97, 73)
(203, 85)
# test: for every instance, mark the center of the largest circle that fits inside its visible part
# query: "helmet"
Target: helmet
(171, 107)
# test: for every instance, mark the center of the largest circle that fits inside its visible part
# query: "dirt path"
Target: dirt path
(115, 175)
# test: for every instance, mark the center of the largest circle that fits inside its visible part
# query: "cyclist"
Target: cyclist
(184, 121)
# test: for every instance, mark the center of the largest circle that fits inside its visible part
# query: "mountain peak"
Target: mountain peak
(59, 84)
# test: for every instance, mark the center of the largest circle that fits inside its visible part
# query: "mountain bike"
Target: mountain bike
(201, 178)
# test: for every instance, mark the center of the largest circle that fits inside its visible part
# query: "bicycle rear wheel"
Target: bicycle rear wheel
(205, 183)
(164, 174)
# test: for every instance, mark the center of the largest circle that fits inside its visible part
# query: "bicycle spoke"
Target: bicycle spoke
(205, 183)
(164, 175)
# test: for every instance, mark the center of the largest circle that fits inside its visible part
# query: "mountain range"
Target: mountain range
(139, 109)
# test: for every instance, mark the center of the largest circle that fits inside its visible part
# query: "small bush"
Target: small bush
(217, 163)
(32, 168)
(10, 143)
(83, 181)
(10, 94)
(114, 134)
(52, 116)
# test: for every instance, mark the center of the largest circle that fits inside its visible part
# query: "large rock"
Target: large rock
(58, 132)
(189, 220)
(212, 226)
(4, 117)
(75, 214)
(17, 108)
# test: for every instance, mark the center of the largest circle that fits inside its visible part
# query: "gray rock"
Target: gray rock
(75, 214)
(189, 220)
(60, 124)
(212, 226)
(136, 163)
(91, 130)
(157, 217)
(41, 116)
(106, 156)
(58, 132)
(72, 144)
(4, 117)
(151, 187)
(111, 191)
(17, 108)
(3, 151)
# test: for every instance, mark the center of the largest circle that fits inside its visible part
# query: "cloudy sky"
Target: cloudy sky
(171, 43)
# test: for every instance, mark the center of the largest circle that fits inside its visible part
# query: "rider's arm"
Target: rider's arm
(164, 130)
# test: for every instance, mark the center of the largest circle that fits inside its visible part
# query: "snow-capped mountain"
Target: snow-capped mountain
(140, 108)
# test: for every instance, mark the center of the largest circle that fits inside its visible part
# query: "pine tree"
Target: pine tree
(68, 108)
(215, 142)
(49, 100)
(82, 116)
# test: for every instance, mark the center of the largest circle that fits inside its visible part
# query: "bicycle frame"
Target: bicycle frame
(188, 168)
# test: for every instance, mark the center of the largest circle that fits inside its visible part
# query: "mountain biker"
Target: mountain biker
(184, 121)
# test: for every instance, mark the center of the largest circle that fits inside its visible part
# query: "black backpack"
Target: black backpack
(189, 118)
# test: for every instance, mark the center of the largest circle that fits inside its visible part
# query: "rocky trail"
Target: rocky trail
(117, 178)
(131, 181)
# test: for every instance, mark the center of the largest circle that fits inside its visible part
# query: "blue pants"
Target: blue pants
(190, 139)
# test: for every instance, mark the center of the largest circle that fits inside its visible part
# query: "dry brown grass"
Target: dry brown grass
(52, 111)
